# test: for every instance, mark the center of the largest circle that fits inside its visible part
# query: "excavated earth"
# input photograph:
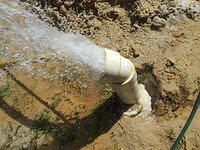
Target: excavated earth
(161, 38)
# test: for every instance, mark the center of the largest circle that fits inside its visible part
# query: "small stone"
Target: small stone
(163, 7)
(163, 10)
(159, 22)
(136, 26)
(169, 63)
(68, 3)
(148, 20)
(135, 50)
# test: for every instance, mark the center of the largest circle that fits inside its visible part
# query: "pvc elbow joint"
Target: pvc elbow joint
(119, 70)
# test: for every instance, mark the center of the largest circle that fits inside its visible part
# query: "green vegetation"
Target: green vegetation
(15, 100)
(4, 90)
(61, 133)
(56, 100)
(106, 92)
(41, 123)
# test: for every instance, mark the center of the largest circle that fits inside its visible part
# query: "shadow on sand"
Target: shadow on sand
(68, 135)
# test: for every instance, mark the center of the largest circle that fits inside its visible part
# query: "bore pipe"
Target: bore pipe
(121, 75)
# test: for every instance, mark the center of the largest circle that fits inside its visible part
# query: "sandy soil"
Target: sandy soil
(38, 113)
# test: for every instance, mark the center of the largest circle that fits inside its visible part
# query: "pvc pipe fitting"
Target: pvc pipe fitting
(121, 74)
(118, 69)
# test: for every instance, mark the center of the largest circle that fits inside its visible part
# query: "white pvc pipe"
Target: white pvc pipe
(121, 74)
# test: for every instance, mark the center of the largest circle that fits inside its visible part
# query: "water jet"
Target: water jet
(37, 38)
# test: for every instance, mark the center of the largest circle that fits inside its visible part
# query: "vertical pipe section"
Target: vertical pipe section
(121, 74)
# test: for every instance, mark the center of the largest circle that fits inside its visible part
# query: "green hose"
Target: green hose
(187, 124)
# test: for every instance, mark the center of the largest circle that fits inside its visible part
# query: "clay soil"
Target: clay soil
(62, 114)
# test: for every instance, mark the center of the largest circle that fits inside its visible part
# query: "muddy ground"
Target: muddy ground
(160, 37)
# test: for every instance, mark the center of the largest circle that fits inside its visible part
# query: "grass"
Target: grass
(15, 100)
(60, 133)
(56, 100)
(64, 135)
(4, 90)
(106, 92)
(41, 123)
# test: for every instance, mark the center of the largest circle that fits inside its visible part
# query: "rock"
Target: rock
(135, 50)
(163, 10)
(158, 22)
(136, 26)
(170, 63)
(68, 3)
(148, 20)
(163, 7)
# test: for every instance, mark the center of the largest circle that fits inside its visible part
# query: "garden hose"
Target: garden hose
(187, 124)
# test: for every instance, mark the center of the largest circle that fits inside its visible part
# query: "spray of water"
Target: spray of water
(24, 35)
